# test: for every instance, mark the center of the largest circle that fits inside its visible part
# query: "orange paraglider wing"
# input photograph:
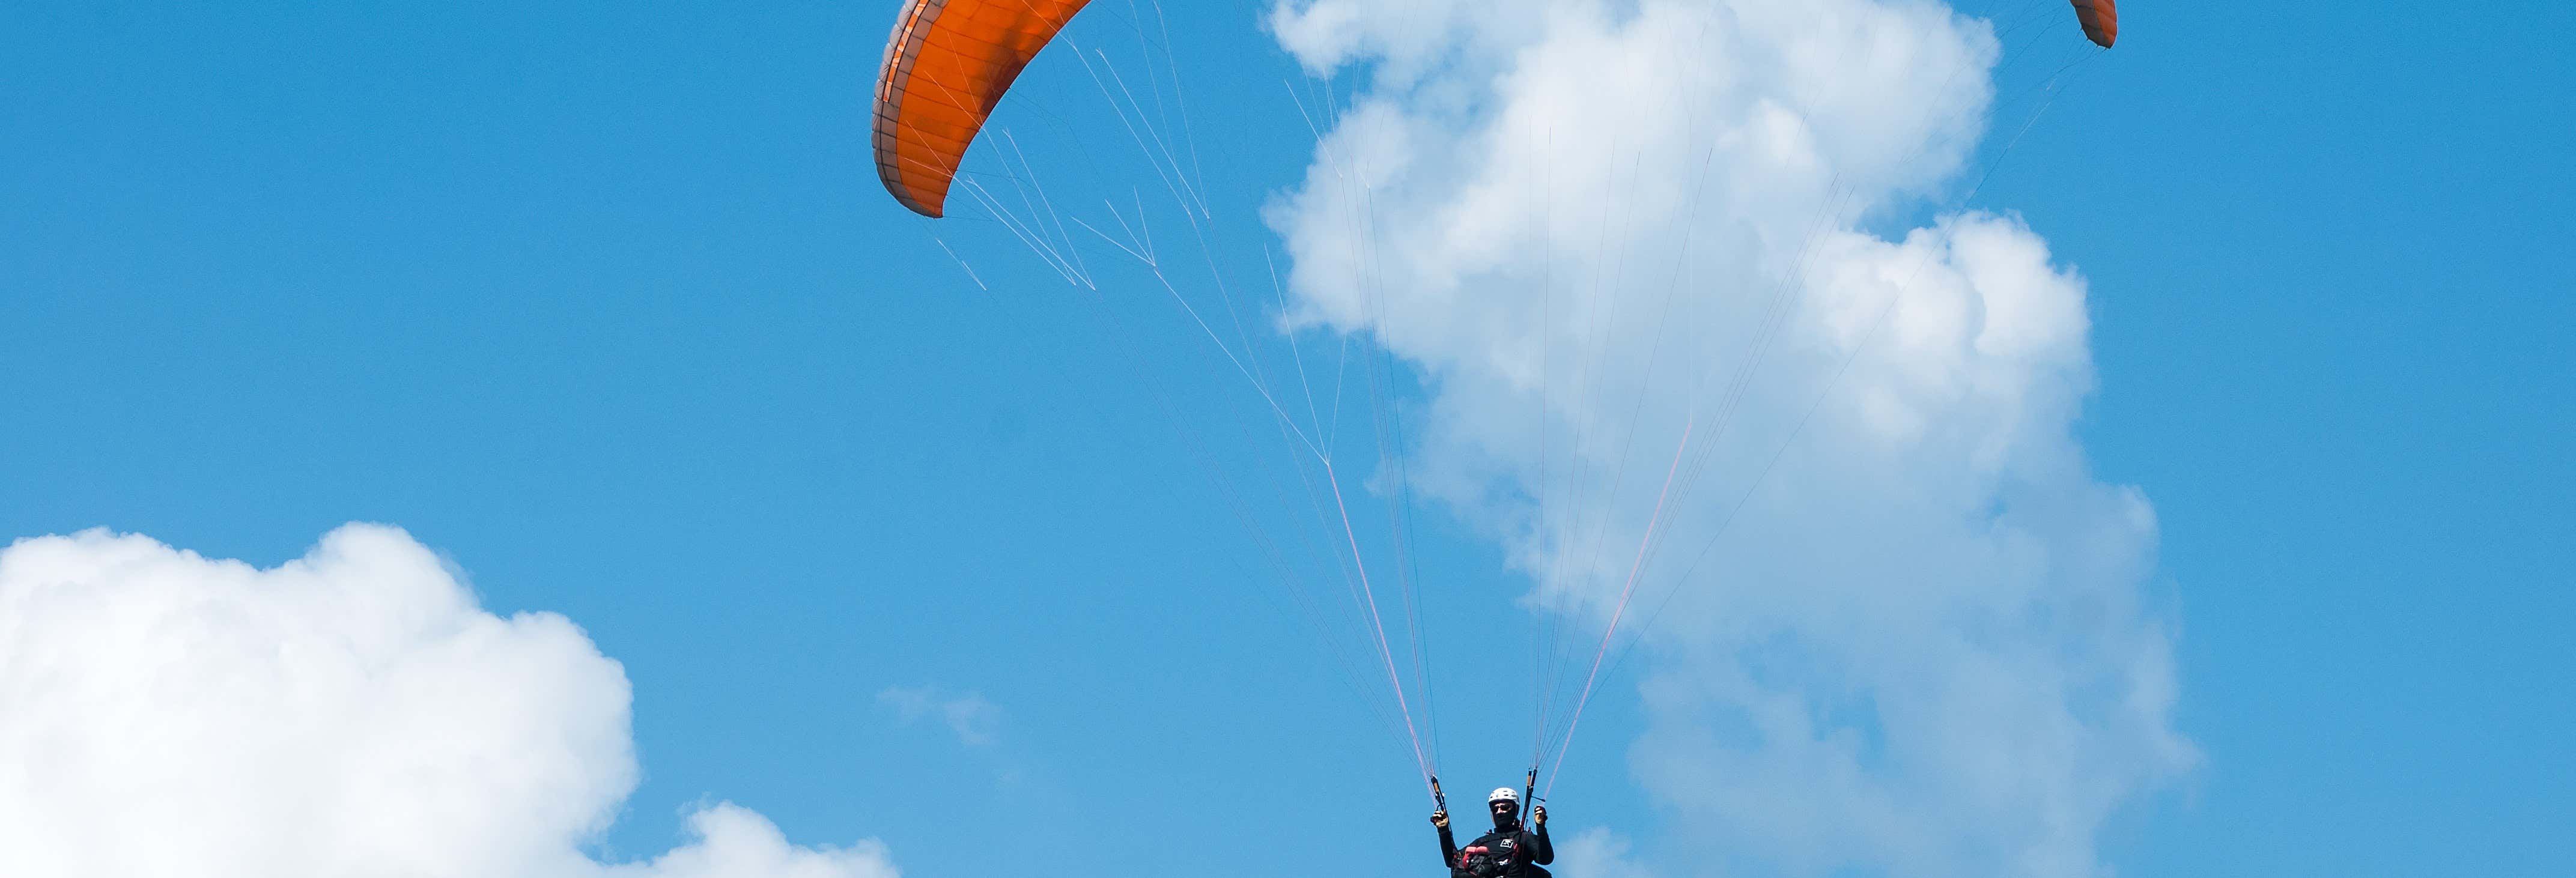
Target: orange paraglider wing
(947, 64)
(2101, 20)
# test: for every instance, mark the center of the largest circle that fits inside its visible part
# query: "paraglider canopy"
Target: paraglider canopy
(946, 66)
(2101, 20)
(949, 62)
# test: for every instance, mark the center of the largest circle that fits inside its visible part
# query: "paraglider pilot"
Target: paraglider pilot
(1509, 851)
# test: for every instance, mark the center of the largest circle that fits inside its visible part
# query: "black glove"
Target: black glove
(1539, 813)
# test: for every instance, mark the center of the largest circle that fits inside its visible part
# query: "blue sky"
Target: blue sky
(607, 307)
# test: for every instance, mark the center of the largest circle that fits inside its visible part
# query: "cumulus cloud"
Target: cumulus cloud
(732, 841)
(1596, 229)
(1597, 853)
(975, 721)
(352, 712)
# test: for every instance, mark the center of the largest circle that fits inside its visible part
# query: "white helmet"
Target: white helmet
(1503, 794)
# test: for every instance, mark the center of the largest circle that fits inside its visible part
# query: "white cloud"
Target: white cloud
(353, 712)
(1922, 649)
(975, 721)
(733, 841)
(1596, 853)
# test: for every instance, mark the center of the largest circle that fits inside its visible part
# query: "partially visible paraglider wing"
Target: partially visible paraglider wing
(2101, 20)
(946, 66)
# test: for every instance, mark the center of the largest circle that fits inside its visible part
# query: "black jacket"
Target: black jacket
(1509, 852)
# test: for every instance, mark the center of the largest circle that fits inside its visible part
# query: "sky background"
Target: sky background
(606, 307)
